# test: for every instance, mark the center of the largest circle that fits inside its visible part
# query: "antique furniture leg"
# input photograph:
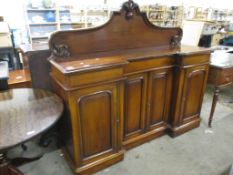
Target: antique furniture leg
(6, 168)
(18, 161)
(24, 147)
(215, 99)
(48, 137)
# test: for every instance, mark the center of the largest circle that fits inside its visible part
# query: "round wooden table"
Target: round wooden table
(24, 114)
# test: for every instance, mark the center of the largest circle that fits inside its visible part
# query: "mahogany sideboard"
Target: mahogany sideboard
(124, 83)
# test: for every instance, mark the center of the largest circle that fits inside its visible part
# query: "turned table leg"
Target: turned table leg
(6, 168)
(215, 99)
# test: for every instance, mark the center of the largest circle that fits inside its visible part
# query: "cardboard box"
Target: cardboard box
(5, 40)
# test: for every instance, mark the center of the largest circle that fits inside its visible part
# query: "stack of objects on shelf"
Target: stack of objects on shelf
(6, 45)
(164, 16)
(42, 19)
(205, 26)
(46, 16)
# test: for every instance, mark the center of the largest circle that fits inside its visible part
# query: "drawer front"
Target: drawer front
(226, 79)
(228, 71)
(148, 64)
(194, 59)
(95, 77)
(221, 76)
(81, 79)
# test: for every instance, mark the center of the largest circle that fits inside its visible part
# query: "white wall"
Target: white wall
(221, 4)
(13, 12)
(224, 4)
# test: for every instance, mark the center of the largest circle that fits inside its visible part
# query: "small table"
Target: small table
(24, 114)
(220, 74)
(19, 79)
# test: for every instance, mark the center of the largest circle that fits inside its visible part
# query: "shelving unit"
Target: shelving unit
(164, 16)
(43, 21)
(208, 14)
(70, 18)
(97, 15)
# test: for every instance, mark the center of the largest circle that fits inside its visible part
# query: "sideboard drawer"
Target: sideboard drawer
(148, 64)
(84, 78)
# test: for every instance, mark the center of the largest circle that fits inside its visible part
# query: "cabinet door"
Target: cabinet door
(194, 87)
(135, 102)
(95, 122)
(159, 98)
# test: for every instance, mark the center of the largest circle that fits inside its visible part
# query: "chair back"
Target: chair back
(39, 69)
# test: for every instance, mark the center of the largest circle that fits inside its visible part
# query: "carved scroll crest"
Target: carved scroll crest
(60, 50)
(175, 41)
(129, 8)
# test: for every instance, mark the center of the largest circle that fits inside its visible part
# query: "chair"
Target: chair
(39, 69)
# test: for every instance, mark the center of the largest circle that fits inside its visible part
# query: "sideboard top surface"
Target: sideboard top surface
(106, 59)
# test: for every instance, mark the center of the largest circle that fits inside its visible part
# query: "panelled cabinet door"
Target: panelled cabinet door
(194, 87)
(135, 103)
(159, 98)
(95, 122)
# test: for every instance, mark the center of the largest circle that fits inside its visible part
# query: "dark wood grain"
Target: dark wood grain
(25, 113)
(159, 96)
(135, 105)
(100, 139)
(193, 91)
(35, 59)
(189, 86)
(125, 83)
(95, 110)
(214, 102)
(117, 34)
(9, 170)
(139, 54)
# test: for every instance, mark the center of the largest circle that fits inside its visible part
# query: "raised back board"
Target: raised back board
(126, 29)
